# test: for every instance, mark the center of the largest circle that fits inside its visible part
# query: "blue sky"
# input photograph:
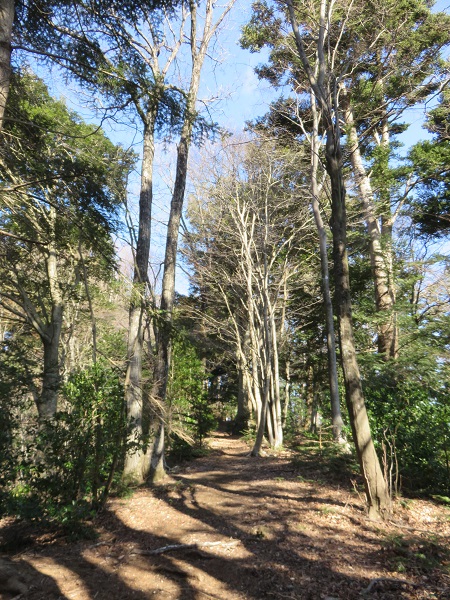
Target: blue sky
(241, 97)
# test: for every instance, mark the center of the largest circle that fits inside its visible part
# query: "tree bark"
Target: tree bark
(6, 22)
(323, 87)
(375, 485)
(164, 324)
(243, 411)
(162, 366)
(48, 400)
(136, 465)
(276, 385)
(287, 392)
(336, 416)
(380, 244)
(51, 334)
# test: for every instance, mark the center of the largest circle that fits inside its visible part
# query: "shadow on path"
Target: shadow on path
(269, 534)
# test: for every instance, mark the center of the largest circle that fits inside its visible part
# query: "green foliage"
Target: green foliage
(413, 554)
(18, 368)
(415, 417)
(62, 183)
(60, 160)
(191, 415)
(91, 430)
(249, 435)
(97, 45)
(431, 160)
(325, 460)
(64, 469)
(263, 28)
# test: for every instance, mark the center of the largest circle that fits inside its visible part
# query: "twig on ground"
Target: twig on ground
(374, 582)
(410, 528)
(203, 593)
(100, 544)
(172, 547)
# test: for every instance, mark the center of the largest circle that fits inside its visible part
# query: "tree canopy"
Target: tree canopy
(314, 246)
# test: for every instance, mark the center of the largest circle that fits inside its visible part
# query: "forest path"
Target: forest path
(246, 528)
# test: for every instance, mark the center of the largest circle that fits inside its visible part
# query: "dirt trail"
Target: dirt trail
(248, 529)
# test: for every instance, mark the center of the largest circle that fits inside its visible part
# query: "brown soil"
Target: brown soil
(247, 528)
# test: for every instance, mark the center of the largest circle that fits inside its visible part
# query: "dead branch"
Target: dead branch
(172, 547)
(374, 582)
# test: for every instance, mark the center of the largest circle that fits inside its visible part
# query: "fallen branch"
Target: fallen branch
(374, 582)
(172, 547)
(409, 528)
(100, 544)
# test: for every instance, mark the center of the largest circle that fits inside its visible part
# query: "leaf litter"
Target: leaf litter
(233, 527)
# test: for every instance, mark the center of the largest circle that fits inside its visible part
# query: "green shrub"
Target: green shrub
(66, 466)
(191, 413)
(414, 421)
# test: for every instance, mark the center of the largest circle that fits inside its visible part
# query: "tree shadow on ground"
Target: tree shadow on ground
(265, 548)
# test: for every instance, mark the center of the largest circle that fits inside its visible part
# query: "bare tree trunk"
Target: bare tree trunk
(48, 399)
(287, 393)
(6, 22)
(162, 366)
(268, 418)
(275, 382)
(91, 307)
(256, 450)
(243, 410)
(374, 482)
(246, 400)
(325, 94)
(309, 399)
(254, 400)
(329, 316)
(136, 467)
(316, 417)
(270, 424)
(164, 325)
(380, 244)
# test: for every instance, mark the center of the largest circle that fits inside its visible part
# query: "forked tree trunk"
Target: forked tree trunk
(6, 22)
(136, 465)
(164, 350)
(270, 418)
(164, 325)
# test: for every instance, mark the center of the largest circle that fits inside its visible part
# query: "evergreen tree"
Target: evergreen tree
(62, 184)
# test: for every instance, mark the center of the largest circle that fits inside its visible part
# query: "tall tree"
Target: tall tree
(325, 92)
(316, 41)
(62, 182)
(291, 122)
(202, 30)
(398, 68)
(249, 225)
(128, 54)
